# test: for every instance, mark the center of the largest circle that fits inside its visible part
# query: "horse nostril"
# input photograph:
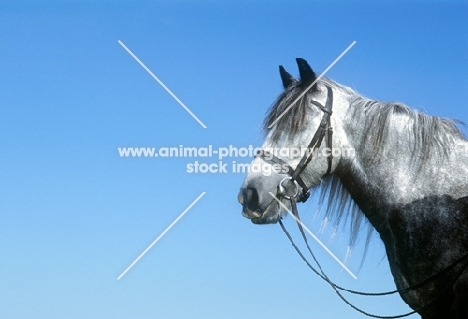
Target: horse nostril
(250, 198)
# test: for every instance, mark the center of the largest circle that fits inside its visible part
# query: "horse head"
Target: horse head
(303, 144)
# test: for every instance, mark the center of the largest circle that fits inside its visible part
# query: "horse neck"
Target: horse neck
(382, 179)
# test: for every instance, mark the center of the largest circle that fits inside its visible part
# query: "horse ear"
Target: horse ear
(285, 77)
(307, 75)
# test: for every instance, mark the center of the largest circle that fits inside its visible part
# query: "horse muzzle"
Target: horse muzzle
(253, 210)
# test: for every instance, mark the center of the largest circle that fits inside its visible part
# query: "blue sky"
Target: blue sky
(74, 214)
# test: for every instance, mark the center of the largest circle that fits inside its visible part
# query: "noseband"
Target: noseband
(294, 174)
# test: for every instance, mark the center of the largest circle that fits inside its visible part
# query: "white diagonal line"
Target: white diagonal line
(160, 236)
(314, 237)
(162, 84)
(313, 83)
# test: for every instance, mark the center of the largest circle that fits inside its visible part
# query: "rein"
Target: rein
(294, 177)
(338, 288)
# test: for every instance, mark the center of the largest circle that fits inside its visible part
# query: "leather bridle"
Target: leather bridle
(316, 141)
